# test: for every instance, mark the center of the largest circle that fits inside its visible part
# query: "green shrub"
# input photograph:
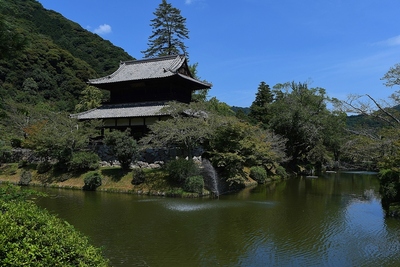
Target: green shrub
(389, 189)
(43, 167)
(10, 192)
(259, 174)
(25, 178)
(194, 184)
(92, 180)
(31, 236)
(82, 161)
(281, 172)
(138, 176)
(180, 169)
(123, 146)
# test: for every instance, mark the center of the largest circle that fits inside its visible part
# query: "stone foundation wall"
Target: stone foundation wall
(149, 158)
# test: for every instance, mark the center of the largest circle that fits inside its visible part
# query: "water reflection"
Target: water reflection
(335, 220)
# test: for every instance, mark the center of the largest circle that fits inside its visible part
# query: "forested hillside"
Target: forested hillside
(58, 57)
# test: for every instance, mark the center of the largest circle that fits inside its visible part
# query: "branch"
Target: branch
(384, 111)
(362, 133)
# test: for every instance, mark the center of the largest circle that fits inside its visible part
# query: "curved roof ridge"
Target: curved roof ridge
(177, 63)
(121, 66)
(152, 68)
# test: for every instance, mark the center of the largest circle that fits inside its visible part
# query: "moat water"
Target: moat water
(334, 220)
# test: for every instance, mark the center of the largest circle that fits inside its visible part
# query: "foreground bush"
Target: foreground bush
(30, 236)
(92, 180)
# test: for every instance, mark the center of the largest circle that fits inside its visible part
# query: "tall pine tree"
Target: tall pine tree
(259, 109)
(169, 31)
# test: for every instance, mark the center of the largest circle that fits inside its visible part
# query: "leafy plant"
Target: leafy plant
(180, 169)
(82, 161)
(31, 236)
(92, 180)
(281, 172)
(194, 184)
(389, 187)
(122, 146)
(10, 192)
(258, 174)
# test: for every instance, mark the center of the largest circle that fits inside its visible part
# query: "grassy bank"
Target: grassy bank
(113, 180)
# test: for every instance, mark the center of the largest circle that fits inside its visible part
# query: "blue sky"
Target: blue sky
(344, 46)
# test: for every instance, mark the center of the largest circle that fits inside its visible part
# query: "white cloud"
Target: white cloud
(103, 29)
(199, 3)
(394, 41)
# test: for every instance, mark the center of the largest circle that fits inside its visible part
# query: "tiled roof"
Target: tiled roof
(136, 70)
(147, 109)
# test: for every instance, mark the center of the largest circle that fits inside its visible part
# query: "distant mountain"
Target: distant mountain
(372, 121)
(246, 111)
(59, 57)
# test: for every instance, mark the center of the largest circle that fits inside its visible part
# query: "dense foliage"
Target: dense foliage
(54, 137)
(58, 56)
(122, 146)
(92, 180)
(45, 61)
(231, 145)
(258, 174)
(374, 139)
(30, 236)
(84, 161)
(11, 41)
(179, 170)
(299, 114)
(194, 184)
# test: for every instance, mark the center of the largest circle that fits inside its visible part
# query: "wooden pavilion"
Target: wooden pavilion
(139, 89)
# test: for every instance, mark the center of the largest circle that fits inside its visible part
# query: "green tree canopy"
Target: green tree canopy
(259, 108)
(169, 31)
(91, 98)
(299, 114)
(58, 57)
(231, 145)
(187, 129)
(12, 40)
(51, 135)
(123, 146)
